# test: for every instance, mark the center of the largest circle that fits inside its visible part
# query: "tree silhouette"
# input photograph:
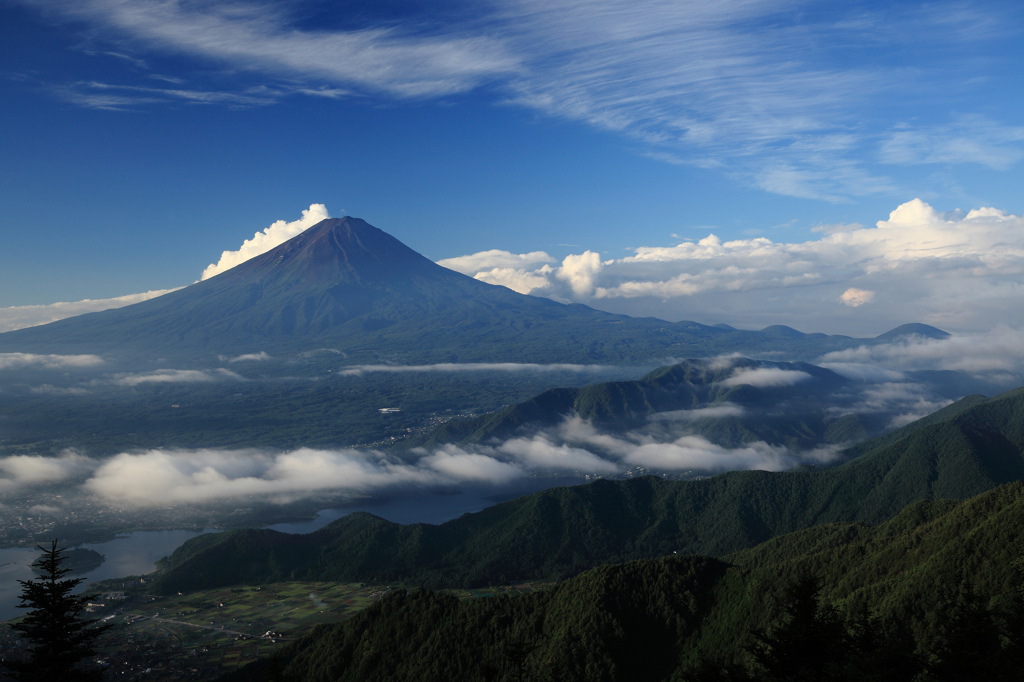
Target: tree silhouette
(59, 638)
(809, 644)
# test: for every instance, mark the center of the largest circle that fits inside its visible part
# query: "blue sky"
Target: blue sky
(142, 139)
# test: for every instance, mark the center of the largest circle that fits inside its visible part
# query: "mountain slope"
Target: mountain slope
(346, 285)
(971, 448)
(800, 414)
(940, 582)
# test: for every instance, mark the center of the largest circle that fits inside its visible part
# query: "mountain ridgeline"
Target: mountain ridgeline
(964, 449)
(805, 407)
(346, 285)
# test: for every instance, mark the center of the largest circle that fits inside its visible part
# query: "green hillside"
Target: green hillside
(801, 415)
(967, 448)
(933, 594)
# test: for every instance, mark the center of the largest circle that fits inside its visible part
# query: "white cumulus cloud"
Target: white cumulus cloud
(494, 258)
(855, 297)
(275, 235)
(957, 271)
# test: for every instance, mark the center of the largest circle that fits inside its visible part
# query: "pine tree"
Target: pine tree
(809, 643)
(59, 638)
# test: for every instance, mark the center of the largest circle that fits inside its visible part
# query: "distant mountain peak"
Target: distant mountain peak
(336, 249)
(782, 331)
(347, 285)
(911, 329)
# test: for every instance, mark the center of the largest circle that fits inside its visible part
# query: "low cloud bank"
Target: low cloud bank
(957, 270)
(29, 360)
(161, 477)
(359, 370)
(20, 317)
(999, 352)
(19, 471)
(715, 412)
(915, 376)
(169, 477)
(262, 356)
(275, 235)
(884, 382)
(908, 402)
(763, 377)
(177, 376)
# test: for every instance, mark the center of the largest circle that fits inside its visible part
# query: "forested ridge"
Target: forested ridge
(963, 450)
(933, 594)
(800, 417)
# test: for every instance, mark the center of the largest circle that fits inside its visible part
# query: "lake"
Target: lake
(136, 553)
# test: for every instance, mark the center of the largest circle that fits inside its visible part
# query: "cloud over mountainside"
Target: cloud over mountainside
(958, 271)
(883, 377)
(19, 317)
(157, 478)
(23, 360)
(996, 353)
(275, 235)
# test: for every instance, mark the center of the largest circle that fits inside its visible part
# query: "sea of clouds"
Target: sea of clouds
(883, 380)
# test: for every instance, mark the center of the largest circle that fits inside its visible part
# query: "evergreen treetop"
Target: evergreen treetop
(59, 638)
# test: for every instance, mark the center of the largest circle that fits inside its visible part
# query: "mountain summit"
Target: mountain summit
(336, 250)
(346, 285)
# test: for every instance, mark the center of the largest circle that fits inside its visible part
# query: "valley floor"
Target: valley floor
(202, 635)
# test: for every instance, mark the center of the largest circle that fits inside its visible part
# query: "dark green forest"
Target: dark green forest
(933, 594)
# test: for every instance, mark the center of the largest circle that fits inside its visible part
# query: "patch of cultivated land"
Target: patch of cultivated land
(201, 635)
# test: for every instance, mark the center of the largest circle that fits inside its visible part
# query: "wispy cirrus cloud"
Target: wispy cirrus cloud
(786, 97)
(262, 38)
(968, 139)
(112, 97)
(712, 85)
